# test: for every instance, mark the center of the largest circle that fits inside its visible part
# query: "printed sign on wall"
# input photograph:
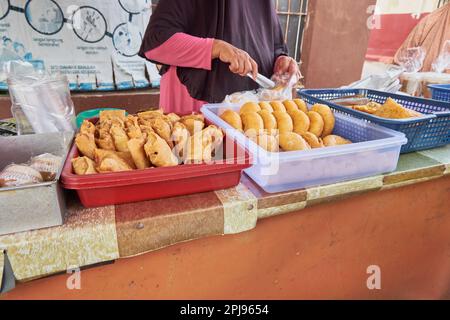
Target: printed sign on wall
(95, 43)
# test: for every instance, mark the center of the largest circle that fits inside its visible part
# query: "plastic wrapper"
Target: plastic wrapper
(411, 59)
(442, 62)
(41, 103)
(282, 91)
(388, 82)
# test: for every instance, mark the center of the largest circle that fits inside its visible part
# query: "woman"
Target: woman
(207, 47)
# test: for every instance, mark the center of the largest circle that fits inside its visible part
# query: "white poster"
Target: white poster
(95, 43)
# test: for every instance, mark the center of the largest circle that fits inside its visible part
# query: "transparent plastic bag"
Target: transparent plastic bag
(41, 102)
(284, 85)
(411, 59)
(442, 62)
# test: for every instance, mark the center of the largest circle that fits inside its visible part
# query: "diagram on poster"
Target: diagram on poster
(80, 38)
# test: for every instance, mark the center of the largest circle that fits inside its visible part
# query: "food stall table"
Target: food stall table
(313, 243)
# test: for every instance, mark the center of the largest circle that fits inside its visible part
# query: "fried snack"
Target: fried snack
(87, 127)
(233, 119)
(290, 141)
(173, 118)
(120, 138)
(125, 156)
(266, 106)
(284, 121)
(86, 144)
(392, 110)
(316, 123)
(370, 108)
(136, 147)
(270, 122)
(152, 114)
(268, 142)
(159, 152)
(194, 116)
(83, 165)
(249, 107)
(132, 127)
(112, 163)
(112, 114)
(313, 140)
(163, 129)
(252, 122)
(290, 106)
(278, 106)
(146, 130)
(301, 121)
(301, 104)
(328, 118)
(47, 164)
(180, 137)
(105, 141)
(193, 125)
(334, 140)
(19, 175)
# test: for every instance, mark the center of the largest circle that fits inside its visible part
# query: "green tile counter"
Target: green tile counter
(102, 235)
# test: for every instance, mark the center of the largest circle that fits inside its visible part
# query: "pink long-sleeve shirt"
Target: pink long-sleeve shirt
(181, 50)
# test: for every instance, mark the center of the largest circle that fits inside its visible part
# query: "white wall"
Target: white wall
(406, 6)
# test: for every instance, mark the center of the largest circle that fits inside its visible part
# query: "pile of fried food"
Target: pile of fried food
(286, 126)
(39, 169)
(118, 142)
(391, 109)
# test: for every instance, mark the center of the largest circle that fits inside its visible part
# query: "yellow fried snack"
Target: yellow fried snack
(152, 114)
(194, 116)
(270, 122)
(105, 140)
(291, 141)
(392, 110)
(120, 138)
(136, 147)
(290, 106)
(316, 123)
(334, 140)
(329, 120)
(278, 106)
(313, 140)
(193, 125)
(268, 142)
(86, 144)
(301, 121)
(266, 106)
(284, 122)
(132, 127)
(301, 104)
(180, 137)
(252, 121)
(146, 130)
(163, 129)
(159, 152)
(87, 127)
(125, 156)
(112, 114)
(83, 165)
(212, 135)
(173, 118)
(249, 107)
(233, 119)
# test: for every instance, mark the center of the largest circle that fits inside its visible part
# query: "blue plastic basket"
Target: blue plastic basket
(440, 91)
(430, 131)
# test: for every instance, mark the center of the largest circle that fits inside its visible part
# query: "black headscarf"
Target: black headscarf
(250, 25)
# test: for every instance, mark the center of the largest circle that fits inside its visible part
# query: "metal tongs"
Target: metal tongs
(262, 81)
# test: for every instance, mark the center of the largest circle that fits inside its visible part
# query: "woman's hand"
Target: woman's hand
(239, 60)
(286, 65)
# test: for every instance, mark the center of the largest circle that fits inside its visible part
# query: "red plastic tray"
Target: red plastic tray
(140, 185)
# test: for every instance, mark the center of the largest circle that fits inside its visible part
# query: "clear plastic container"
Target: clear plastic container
(375, 151)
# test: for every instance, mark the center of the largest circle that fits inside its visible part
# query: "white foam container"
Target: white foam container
(375, 151)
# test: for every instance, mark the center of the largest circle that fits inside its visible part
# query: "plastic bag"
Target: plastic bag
(282, 91)
(388, 82)
(40, 101)
(442, 62)
(411, 59)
